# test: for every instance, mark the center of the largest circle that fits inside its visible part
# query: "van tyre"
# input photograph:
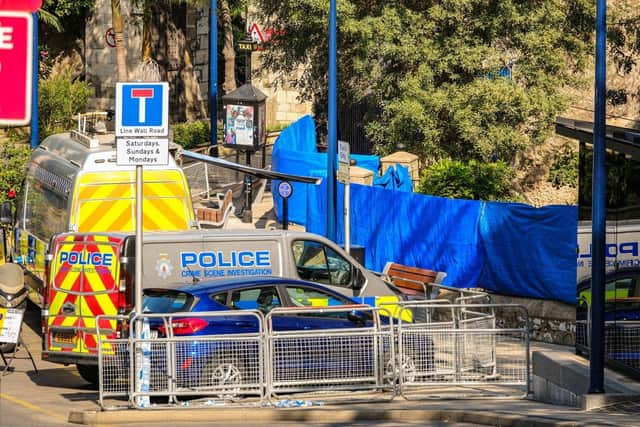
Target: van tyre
(225, 375)
(89, 373)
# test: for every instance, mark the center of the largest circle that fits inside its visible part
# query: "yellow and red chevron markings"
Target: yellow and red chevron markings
(105, 201)
(89, 287)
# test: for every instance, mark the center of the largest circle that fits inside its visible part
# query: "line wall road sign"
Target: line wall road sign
(16, 55)
(142, 109)
(21, 5)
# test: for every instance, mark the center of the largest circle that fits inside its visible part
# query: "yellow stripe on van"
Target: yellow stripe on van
(106, 202)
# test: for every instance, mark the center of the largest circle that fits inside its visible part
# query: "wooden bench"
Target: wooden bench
(216, 217)
(412, 280)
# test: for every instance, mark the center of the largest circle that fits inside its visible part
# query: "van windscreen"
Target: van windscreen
(166, 301)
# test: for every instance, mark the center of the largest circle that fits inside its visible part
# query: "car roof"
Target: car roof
(239, 282)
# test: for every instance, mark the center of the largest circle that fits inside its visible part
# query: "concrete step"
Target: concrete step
(563, 378)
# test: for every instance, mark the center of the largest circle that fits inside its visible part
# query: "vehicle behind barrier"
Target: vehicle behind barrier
(91, 274)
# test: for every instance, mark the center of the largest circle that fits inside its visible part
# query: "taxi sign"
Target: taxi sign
(16, 57)
(142, 109)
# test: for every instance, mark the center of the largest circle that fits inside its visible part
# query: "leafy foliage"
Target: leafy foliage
(468, 180)
(13, 156)
(564, 170)
(191, 134)
(433, 68)
(62, 97)
(195, 134)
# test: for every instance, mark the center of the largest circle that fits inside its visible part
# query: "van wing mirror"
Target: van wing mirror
(6, 215)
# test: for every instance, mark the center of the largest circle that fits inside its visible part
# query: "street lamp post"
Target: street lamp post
(213, 76)
(599, 206)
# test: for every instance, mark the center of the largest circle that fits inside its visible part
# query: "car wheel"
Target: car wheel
(225, 375)
(89, 373)
(406, 365)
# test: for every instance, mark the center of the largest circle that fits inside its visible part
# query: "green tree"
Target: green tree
(434, 68)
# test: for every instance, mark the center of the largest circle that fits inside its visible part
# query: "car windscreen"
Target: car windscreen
(166, 301)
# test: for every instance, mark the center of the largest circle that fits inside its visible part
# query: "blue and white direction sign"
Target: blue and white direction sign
(285, 189)
(142, 109)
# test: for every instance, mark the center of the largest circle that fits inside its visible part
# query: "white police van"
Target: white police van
(176, 258)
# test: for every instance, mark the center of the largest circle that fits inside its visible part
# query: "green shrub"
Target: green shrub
(192, 134)
(468, 180)
(13, 156)
(564, 170)
(62, 97)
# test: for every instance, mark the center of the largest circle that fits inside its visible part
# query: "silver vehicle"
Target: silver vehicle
(177, 258)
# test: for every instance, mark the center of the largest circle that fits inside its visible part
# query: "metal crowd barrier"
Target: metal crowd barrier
(367, 354)
(356, 356)
(114, 374)
(463, 353)
(621, 341)
(220, 368)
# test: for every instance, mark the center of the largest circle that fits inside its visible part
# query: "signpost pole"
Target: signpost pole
(35, 130)
(347, 219)
(138, 280)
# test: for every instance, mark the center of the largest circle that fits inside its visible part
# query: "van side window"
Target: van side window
(44, 212)
(319, 263)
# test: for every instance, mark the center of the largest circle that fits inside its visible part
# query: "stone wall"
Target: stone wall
(182, 52)
(100, 58)
(549, 321)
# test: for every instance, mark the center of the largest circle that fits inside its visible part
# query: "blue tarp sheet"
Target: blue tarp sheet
(507, 248)
(295, 152)
(395, 178)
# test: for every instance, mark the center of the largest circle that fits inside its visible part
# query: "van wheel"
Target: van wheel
(225, 375)
(89, 373)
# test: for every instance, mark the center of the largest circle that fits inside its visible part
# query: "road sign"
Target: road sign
(21, 5)
(142, 151)
(343, 162)
(256, 33)
(16, 57)
(285, 189)
(142, 109)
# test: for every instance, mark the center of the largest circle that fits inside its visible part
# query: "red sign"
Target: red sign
(16, 56)
(21, 5)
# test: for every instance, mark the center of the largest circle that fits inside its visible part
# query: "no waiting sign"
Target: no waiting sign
(16, 56)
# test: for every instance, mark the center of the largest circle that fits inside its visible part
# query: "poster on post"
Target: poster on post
(240, 125)
(10, 321)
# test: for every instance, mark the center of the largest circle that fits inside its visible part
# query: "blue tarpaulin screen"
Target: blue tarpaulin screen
(507, 248)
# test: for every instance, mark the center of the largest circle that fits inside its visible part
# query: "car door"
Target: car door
(319, 352)
(263, 299)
